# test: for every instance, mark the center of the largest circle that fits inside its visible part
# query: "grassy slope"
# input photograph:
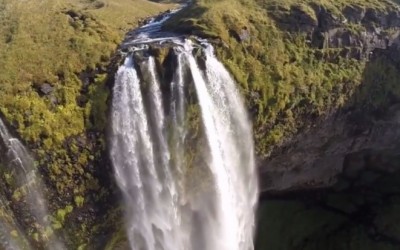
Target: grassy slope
(39, 44)
(286, 82)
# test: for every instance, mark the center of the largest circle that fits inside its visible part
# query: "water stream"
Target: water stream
(150, 146)
(19, 165)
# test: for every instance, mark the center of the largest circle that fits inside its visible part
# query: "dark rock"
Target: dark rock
(354, 14)
(327, 20)
(371, 29)
(318, 157)
(72, 13)
(234, 34)
(81, 100)
(46, 88)
(86, 78)
(394, 19)
(375, 16)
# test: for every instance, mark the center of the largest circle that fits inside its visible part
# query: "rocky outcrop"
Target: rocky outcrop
(357, 29)
(322, 155)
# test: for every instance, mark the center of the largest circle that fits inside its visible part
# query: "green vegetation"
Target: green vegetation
(118, 240)
(53, 64)
(79, 200)
(287, 81)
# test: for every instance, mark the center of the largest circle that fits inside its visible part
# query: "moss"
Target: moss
(381, 79)
(62, 213)
(96, 108)
(160, 54)
(118, 240)
(79, 200)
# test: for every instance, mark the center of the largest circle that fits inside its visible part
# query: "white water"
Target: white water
(150, 31)
(177, 115)
(21, 165)
(148, 152)
(148, 191)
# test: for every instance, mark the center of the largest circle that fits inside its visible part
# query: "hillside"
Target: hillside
(53, 61)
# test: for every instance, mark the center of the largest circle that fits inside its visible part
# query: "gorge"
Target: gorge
(314, 83)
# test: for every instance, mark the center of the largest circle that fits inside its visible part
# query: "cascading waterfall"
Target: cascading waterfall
(148, 145)
(156, 157)
(21, 165)
(177, 111)
(148, 190)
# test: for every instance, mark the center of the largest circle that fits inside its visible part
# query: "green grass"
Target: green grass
(53, 42)
(40, 44)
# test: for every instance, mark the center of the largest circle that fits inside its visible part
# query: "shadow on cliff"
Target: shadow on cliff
(337, 185)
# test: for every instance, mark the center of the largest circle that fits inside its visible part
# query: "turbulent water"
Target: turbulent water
(19, 165)
(159, 163)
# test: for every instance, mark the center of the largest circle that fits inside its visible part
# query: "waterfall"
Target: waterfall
(21, 166)
(149, 143)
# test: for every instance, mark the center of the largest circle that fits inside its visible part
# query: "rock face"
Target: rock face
(316, 158)
(360, 30)
(337, 182)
